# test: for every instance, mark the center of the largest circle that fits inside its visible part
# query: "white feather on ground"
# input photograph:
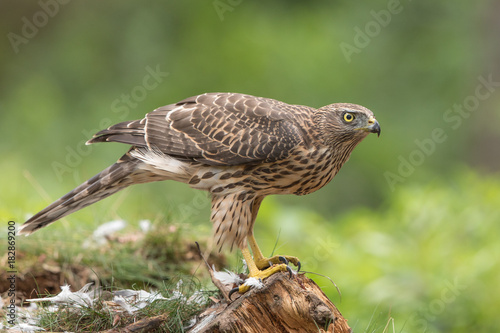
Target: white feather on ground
(124, 301)
(227, 277)
(106, 229)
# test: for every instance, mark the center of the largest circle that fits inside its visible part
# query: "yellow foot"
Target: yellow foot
(255, 278)
(263, 262)
(256, 275)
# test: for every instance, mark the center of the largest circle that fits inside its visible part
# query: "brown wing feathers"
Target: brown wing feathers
(216, 129)
(224, 129)
(130, 132)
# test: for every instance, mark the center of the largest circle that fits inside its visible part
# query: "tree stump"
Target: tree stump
(284, 304)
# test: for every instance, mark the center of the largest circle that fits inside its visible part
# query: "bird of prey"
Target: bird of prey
(239, 148)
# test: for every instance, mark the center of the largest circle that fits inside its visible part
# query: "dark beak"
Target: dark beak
(374, 127)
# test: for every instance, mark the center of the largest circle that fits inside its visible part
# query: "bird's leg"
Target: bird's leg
(260, 267)
(262, 262)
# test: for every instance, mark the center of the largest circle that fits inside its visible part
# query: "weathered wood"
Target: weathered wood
(284, 304)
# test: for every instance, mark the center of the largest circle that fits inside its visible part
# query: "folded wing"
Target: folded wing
(215, 129)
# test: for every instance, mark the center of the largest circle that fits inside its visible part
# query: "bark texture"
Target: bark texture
(284, 304)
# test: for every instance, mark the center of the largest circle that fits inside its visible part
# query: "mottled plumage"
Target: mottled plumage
(240, 148)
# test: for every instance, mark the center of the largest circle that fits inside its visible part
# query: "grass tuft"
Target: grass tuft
(184, 301)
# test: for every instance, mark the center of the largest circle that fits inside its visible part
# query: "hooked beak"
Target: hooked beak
(373, 126)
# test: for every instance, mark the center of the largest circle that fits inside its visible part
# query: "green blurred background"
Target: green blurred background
(408, 229)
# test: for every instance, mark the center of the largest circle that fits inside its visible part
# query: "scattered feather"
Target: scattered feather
(190, 324)
(145, 225)
(79, 298)
(25, 328)
(124, 302)
(227, 277)
(198, 298)
(254, 282)
(120, 302)
(103, 231)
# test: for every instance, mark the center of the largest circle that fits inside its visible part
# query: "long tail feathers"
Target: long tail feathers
(109, 181)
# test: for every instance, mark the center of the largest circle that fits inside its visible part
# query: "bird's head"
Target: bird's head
(344, 123)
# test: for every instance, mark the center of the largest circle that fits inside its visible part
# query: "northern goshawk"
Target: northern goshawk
(239, 148)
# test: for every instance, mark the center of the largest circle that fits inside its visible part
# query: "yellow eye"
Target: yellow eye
(348, 117)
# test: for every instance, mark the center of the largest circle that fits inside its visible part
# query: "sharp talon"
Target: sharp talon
(289, 271)
(233, 291)
(298, 266)
(283, 260)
